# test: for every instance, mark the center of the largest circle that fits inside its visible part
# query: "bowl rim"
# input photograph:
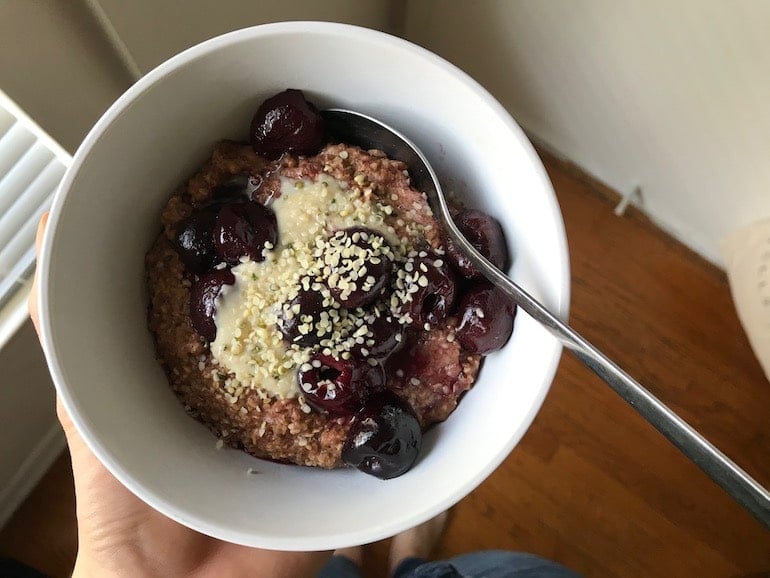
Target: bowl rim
(80, 420)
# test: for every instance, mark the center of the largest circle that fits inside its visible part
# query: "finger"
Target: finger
(74, 440)
(83, 460)
(64, 417)
(40, 230)
(32, 299)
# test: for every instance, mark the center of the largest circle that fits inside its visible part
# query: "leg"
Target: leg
(411, 548)
(406, 566)
(345, 563)
(503, 564)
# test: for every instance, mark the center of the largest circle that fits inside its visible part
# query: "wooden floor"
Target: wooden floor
(591, 485)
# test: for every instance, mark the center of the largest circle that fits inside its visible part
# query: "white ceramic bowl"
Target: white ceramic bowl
(106, 214)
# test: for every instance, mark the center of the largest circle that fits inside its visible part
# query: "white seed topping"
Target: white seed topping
(313, 254)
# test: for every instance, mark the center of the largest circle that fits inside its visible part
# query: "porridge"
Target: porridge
(306, 305)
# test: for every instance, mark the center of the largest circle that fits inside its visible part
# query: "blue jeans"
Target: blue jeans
(487, 564)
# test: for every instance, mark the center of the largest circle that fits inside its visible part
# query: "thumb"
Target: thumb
(79, 451)
(32, 299)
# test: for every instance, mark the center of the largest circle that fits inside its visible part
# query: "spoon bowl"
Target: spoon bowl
(368, 133)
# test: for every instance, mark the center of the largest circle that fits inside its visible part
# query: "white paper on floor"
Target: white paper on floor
(747, 260)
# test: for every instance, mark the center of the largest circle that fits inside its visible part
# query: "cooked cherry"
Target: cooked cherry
(284, 123)
(299, 319)
(242, 230)
(485, 233)
(486, 319)
(359, 263)
(385, 336)
(238, 187)
(429, 281)
(194, 240)
(385, 438)
(203, 300)
(339, 386)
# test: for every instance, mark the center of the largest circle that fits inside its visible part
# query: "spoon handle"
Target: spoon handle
(725, 472)
(366, 131)
(733, 479)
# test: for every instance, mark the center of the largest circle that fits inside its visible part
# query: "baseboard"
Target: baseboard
(31, 471)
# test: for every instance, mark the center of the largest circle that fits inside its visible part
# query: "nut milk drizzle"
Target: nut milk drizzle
(248, 342)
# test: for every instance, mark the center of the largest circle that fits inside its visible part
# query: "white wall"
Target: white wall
(673, 96)
(155, 30)
(59, 66)
(56, 65)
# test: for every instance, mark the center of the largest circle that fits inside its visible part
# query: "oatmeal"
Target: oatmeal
(307, 308)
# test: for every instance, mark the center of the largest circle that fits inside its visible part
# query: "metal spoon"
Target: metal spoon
(358, 129)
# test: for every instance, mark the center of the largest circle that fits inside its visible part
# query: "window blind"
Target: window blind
(31, 166)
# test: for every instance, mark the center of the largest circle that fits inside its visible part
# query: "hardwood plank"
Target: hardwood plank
(43, 531)
(591, 485)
